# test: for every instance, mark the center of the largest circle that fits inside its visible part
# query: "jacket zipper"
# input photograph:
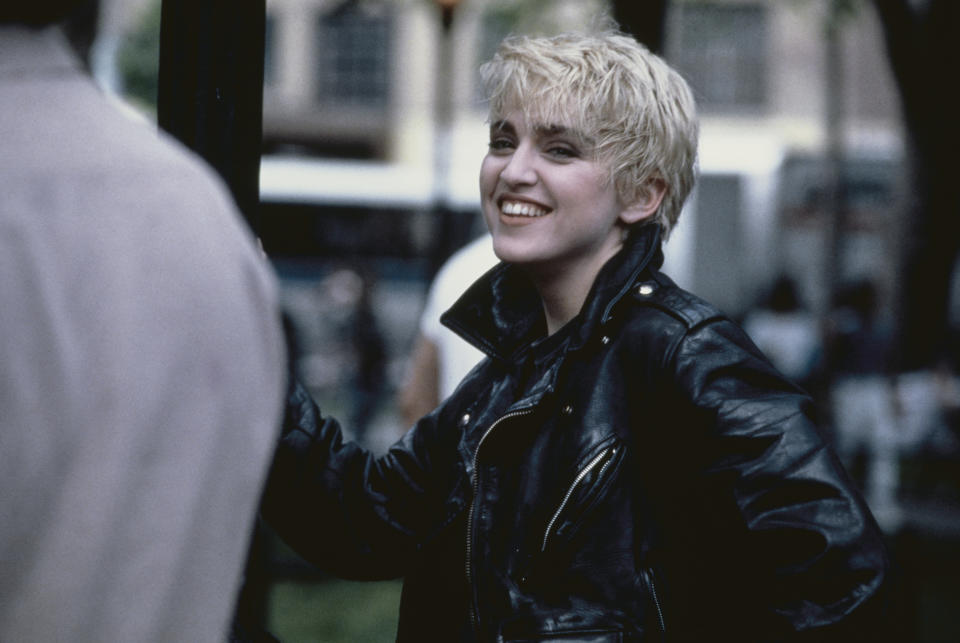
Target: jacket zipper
(576, 482)
(474, 619)
(648, 574)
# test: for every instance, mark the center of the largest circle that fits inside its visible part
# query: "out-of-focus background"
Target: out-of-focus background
(825, 219)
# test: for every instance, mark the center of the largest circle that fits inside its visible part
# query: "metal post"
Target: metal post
(443, 123)
(833, 269)
(210, 93)
(646, 21)
(210, 97)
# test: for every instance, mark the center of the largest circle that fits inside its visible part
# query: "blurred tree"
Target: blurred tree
(138, 56)
(922, 50)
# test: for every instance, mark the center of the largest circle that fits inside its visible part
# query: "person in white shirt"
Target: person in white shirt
(441, 358)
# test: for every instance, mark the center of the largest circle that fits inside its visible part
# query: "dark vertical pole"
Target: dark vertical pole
(210, 93)
(444, 106)
(210, 97)
(645, 21)
(833, 269)
(80, 26)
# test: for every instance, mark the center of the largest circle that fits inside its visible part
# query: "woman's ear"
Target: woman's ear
(646, 203)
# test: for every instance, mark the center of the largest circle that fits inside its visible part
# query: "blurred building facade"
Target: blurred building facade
(366, 80)
(379, 96)
(359, 80)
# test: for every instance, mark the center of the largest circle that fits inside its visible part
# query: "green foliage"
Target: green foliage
(837, 13)
(334, 611)
(138, 59)
(842, 11)
(541, 16)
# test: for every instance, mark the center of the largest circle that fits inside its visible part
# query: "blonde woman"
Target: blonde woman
(624, 465)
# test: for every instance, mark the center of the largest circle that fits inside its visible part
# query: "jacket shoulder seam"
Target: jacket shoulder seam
(679, 303)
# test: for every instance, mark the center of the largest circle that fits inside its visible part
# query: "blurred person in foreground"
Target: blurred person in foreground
(141, 364)
(624, 464)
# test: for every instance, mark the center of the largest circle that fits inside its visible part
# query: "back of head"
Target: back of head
(638, 112)
(37, 13)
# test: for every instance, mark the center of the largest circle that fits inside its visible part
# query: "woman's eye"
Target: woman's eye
(499, 144)
(562, 152)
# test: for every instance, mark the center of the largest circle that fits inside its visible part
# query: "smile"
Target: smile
(522, 209)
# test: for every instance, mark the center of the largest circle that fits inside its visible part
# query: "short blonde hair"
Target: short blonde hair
(639, 113)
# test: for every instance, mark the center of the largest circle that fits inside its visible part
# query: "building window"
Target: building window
(721, 49)
(353, 45)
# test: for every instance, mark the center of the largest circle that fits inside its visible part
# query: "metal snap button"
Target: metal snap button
(645, 290)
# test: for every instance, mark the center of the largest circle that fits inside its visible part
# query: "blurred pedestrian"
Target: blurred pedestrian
(864, 396)
(141, 363)
(623, 465)
(441, 358)
(787, 332)
(370, 360)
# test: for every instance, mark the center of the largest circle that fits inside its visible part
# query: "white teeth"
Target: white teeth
(517, 208)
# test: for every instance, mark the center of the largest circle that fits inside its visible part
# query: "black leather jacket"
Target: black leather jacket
(642, 475)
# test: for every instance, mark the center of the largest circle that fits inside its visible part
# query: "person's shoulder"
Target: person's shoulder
(656, 293)
(147, 153)
(670, 325)
(112, 169)
(65, 129)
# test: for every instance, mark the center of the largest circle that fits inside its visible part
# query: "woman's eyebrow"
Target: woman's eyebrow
(563, 130)
(543, 131)
(552, 130)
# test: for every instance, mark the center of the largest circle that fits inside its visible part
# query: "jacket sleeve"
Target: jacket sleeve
(348, 512)
(803, 548)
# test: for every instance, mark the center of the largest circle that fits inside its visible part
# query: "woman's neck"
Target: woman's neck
(563, 293)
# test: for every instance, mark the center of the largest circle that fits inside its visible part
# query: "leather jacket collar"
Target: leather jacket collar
(501, 312)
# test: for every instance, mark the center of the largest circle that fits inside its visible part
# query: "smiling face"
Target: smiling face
(549, 204)
(640, 113)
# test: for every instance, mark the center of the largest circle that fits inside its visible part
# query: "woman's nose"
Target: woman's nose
(520, 169)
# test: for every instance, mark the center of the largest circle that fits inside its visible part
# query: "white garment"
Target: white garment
(863, 412)
(141, 368)
(455, 356)
(790, 340)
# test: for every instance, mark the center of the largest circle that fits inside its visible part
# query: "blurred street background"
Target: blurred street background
(825, 219)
